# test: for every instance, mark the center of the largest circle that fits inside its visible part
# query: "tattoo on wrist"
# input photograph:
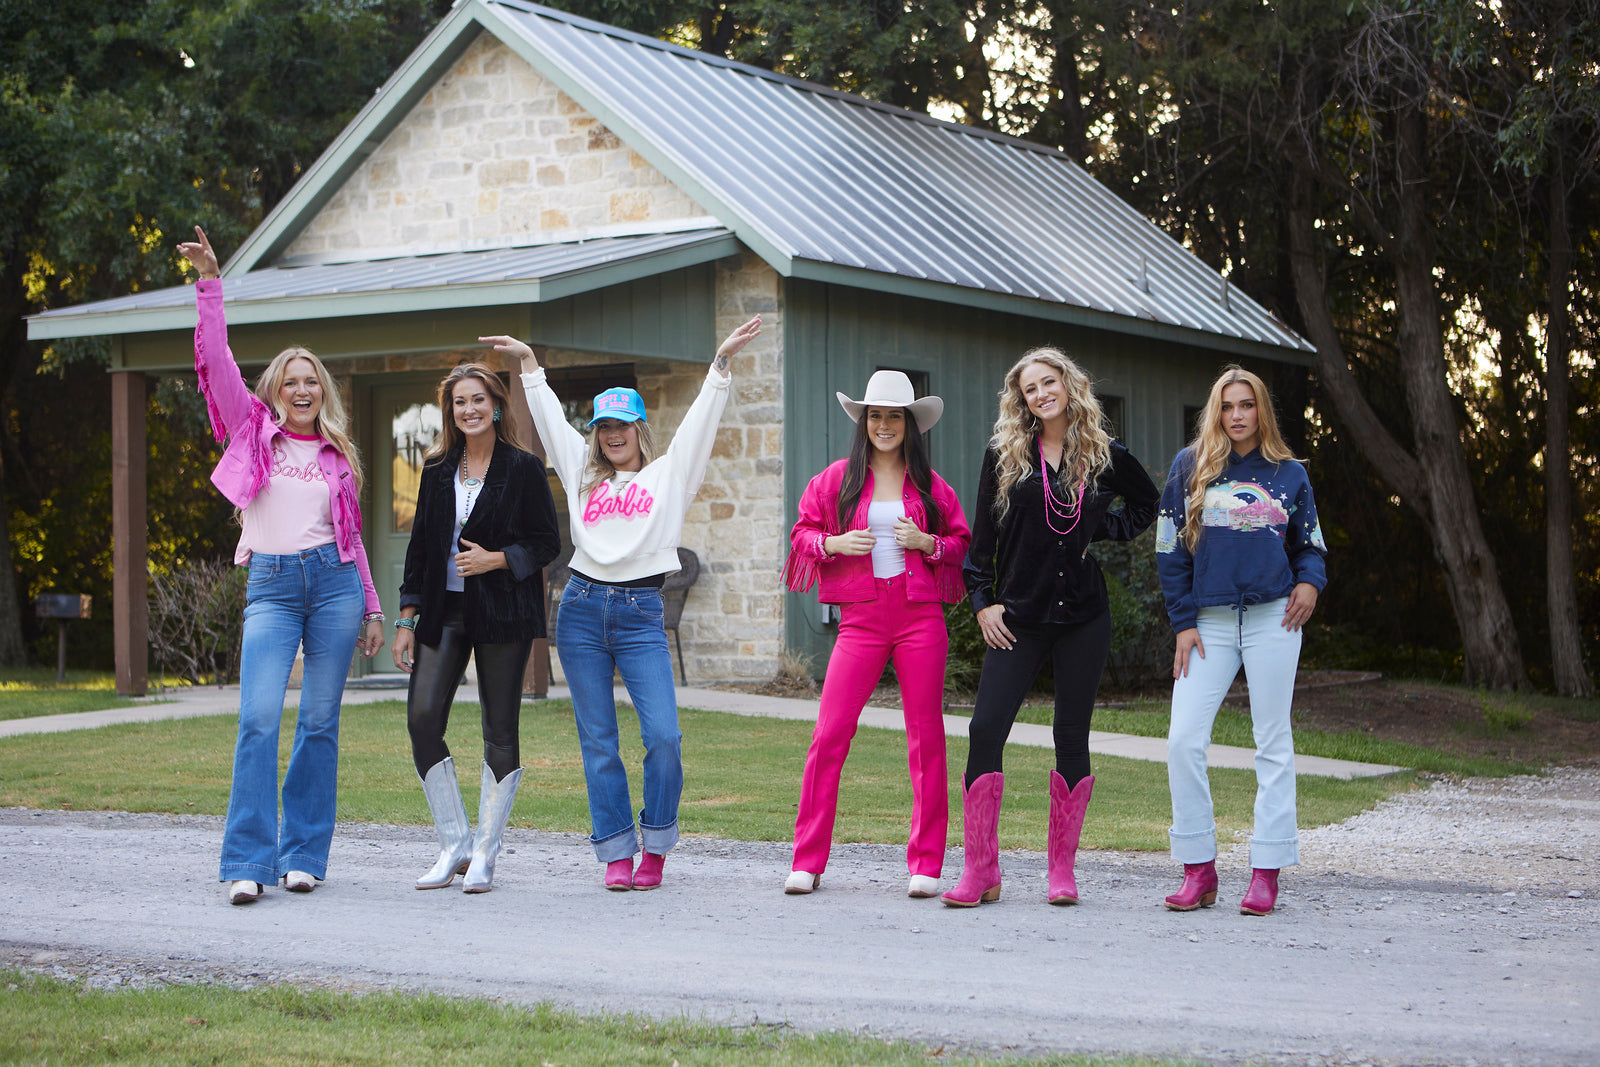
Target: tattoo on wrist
(721, 363)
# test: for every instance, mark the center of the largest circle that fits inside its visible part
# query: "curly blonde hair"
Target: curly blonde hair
(332, 421)
(1087, 449)
(1211, 443)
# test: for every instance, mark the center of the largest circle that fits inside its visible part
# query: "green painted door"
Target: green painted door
(405, 420)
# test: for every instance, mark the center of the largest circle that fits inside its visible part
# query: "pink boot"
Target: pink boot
(648, 876)
(619, 875)
(1262, 894)
(1199, 889)
(980, 829)
(1067, 809)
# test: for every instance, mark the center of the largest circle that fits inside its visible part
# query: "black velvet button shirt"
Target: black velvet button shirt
(1040, 575)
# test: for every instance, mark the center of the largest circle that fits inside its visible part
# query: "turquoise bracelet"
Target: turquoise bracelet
(406, 623)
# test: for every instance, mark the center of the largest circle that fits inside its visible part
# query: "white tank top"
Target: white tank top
(888, 558)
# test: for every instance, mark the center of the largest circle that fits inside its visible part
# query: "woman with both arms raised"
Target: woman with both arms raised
(626, 516)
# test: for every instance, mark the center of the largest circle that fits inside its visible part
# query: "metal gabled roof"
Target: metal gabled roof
(412, 283)
(823, 184)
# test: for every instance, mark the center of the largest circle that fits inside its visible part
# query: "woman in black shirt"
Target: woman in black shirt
(1039, 595)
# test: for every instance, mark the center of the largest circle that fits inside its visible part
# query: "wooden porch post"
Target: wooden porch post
(130, 609)
(536, 676)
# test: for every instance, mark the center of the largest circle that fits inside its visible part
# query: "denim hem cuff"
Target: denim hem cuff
(1274, 855)
(252, 872)
(619, 846)
(318, 869)
(659, 839)
(1194, 848)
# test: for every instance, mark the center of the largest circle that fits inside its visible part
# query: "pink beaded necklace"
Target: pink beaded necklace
(1053, 508)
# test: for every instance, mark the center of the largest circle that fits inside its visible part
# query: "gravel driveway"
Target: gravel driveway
(1460, 924)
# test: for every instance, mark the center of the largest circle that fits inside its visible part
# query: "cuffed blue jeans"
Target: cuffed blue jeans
(1253, 635)
(314, 599)
(601, 630)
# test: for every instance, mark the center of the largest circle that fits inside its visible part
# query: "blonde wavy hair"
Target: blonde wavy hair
(332, 421)
(1211, 443)
(601, 469)
(1084, 455)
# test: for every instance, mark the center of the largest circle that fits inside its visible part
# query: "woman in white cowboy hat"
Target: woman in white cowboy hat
(885, 536)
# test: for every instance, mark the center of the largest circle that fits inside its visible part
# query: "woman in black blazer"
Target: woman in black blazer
(484, 528)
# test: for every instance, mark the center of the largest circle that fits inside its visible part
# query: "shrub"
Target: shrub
(197, 620)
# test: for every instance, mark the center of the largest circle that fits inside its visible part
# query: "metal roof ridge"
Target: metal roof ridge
(684, 52)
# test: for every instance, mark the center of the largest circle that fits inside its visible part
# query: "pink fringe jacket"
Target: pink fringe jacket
(239, 417)
(935, 576)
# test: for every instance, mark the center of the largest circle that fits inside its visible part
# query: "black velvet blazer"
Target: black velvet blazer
(513, 513)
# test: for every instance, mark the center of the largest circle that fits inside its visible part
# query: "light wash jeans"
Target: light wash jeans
(310, 597)
(1254, 635)
(600, 630)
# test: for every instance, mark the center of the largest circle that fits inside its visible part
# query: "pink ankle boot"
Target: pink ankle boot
(1199, 889)
(619, 875)
(1262, 895)
(648, 876)
(1067, 809)
(980, 830)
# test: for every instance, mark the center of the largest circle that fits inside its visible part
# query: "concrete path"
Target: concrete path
(188, 703)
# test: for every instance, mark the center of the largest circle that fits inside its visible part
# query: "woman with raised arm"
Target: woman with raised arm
(295, 477)
(885, 536)
(627, 507)
(484, 528)
(1241, 559)
(1049, 478)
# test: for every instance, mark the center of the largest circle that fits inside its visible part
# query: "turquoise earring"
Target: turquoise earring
(496, 414)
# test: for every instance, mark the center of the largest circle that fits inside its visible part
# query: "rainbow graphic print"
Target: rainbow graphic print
(1241, 506)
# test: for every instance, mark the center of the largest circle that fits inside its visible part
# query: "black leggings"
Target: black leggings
(439, 670)
(1078, 651)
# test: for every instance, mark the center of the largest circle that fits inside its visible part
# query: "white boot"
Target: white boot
(494, 811)
(450, 820)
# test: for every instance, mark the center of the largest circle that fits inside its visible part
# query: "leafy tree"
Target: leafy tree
(120, 125)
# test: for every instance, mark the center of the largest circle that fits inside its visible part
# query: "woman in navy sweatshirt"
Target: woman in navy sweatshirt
(1240, 556)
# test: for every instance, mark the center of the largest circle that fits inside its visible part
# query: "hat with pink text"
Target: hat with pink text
(622, 404)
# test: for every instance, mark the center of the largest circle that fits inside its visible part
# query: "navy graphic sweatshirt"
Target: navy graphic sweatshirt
(1259, 536)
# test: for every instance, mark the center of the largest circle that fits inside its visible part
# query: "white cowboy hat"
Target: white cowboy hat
(892, 389)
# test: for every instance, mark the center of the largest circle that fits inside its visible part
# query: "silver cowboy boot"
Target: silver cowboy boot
(494, 811)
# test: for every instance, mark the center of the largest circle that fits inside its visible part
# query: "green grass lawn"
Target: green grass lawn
(30, 691)
(742, 777)
(54, 1022)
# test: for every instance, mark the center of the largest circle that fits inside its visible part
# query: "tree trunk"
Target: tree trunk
(1433, 482)
(1488, 634)
(1566, 644)
(13, 652)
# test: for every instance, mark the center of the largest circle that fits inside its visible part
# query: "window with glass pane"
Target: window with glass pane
(415, 427)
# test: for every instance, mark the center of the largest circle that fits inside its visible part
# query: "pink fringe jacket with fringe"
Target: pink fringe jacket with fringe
(935, 576)
(240, 418)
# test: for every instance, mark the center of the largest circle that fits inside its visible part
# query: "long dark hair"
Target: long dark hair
(451, 438)
(918, 469)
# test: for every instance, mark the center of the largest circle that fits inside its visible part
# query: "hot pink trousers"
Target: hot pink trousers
(870, 633)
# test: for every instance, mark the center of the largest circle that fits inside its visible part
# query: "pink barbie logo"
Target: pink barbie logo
(603, 503)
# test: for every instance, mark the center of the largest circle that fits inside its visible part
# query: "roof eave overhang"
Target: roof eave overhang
(1301, 355)
(554, 286)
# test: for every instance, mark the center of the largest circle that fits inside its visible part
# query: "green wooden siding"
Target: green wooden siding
(835, 337)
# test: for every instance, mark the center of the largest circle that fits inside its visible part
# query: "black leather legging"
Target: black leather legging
(439, 670)
(1078, 653)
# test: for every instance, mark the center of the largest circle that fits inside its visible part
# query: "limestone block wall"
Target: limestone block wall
(493, 155)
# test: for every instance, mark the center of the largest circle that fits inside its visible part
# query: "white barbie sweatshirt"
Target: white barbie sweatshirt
(629, 527)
